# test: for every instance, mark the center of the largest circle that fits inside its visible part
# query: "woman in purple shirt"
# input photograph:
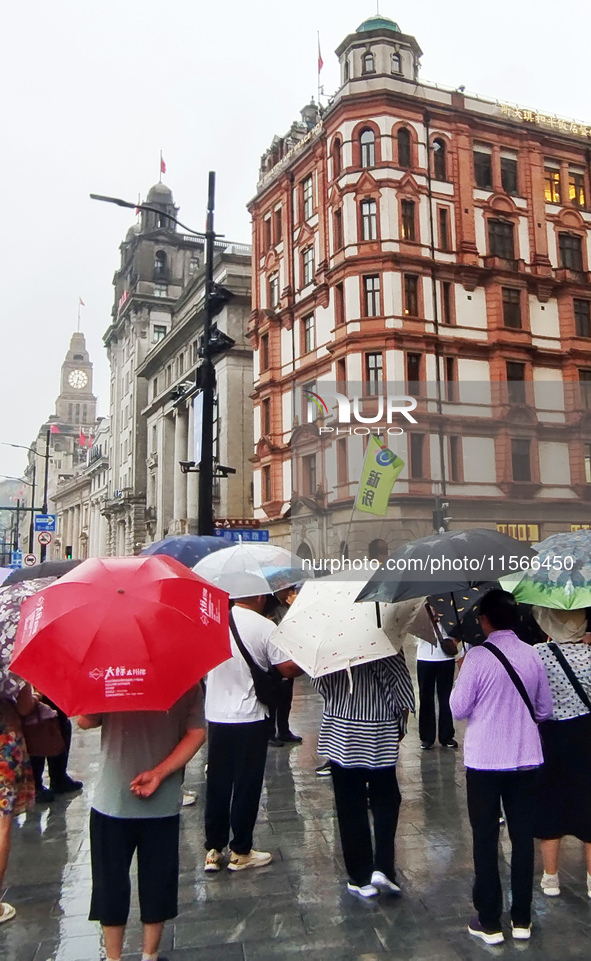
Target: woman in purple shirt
(502, 752)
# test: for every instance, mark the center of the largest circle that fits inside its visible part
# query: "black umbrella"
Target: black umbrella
(459, 616)
(442, 563)
(456, 610)
(46, 569)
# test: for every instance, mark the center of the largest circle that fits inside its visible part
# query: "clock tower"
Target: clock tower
(76, 403)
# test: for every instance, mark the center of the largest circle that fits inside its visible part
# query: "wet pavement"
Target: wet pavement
(298, 906)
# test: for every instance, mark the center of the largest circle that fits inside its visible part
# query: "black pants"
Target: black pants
(58, 765)
(113, 842)
(279, 713)
(486, 790)
(432, 675)
(352, 788)
(235, 771)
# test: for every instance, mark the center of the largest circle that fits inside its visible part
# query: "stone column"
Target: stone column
(180, 479)
(192, 479)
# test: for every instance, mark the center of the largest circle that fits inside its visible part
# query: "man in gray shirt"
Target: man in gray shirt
(136, 806)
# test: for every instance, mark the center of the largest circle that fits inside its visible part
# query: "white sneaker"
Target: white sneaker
(519, 933)
(588, 885)
(213, 860)
(189, 798)
(383, 883)
(254, 859)
(550, 885)
(362, 890)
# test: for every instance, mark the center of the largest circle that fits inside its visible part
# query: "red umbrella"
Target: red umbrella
(122, 634)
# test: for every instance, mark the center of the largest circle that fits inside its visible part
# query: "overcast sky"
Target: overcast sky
(93, 89)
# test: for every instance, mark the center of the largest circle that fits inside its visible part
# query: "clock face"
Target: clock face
(77, 379)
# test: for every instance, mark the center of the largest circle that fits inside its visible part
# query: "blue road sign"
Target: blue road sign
(16, 559)
(45, 522)
(243, 535)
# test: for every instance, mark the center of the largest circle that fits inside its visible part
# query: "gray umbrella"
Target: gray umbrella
(46, 569)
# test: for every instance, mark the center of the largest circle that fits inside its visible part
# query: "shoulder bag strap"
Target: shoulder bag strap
(578, 687)
(514, 677)
(240, 644)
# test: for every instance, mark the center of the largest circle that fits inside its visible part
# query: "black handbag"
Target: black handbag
(266, 683)
(447, 644)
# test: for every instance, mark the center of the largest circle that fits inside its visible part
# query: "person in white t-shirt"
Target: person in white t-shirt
(435, 672)
(237, 740)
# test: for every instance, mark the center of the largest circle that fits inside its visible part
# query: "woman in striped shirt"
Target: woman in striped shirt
(364, 719)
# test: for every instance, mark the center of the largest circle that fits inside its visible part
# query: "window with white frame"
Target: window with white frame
(308, 265)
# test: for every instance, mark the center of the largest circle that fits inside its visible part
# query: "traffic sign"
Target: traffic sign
(44, 537)
(16, 559)
(30, 560)
(45, 522)
(243, 535)
(233, 523)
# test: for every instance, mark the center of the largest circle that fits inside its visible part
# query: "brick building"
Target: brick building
(418, 240)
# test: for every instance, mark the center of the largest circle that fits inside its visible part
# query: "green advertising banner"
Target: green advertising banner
(381, 467)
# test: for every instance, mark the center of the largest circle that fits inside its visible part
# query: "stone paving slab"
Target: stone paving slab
(297, 907)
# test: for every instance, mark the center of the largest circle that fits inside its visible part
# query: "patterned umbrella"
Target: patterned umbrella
(560, 574)
(11, 598)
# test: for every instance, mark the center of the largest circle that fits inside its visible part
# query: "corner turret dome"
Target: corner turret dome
(159, 194)
(378, 23)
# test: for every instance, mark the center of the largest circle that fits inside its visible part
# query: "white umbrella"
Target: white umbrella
(250, 569)
(326, 631)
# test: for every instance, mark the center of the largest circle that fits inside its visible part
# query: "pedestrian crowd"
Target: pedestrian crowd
(527, 753)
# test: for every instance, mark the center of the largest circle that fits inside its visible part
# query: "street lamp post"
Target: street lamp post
(212, 343)
(44, 508)
(205, 517)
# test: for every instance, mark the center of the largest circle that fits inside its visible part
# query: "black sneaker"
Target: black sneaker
(489, 937)
(290, 738)
(451, 743)
(276, 742)
(67, 786)
(426, 745)
(44, 795)
(324, 770)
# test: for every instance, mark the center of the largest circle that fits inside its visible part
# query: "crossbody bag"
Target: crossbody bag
(447, 644)
(266, 683)
(575, 683)
(514, 677)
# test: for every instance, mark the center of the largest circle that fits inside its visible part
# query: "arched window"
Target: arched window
(368, 148)
(304, 552)
(346, 71)
(396, 63)
(368, 63)
(439, 160)
(77, 410)
(160, 270)
(404, 155)
(336, 158)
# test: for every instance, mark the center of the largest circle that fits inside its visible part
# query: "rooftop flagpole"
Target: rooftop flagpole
(320, 66)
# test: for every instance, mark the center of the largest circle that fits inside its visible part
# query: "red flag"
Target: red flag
(162, 165)
(320, 60)
(54, 429)
(81, 302)
(83, 440)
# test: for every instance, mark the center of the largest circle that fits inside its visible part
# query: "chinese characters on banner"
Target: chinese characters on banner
(381, 467)
(532, 116)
